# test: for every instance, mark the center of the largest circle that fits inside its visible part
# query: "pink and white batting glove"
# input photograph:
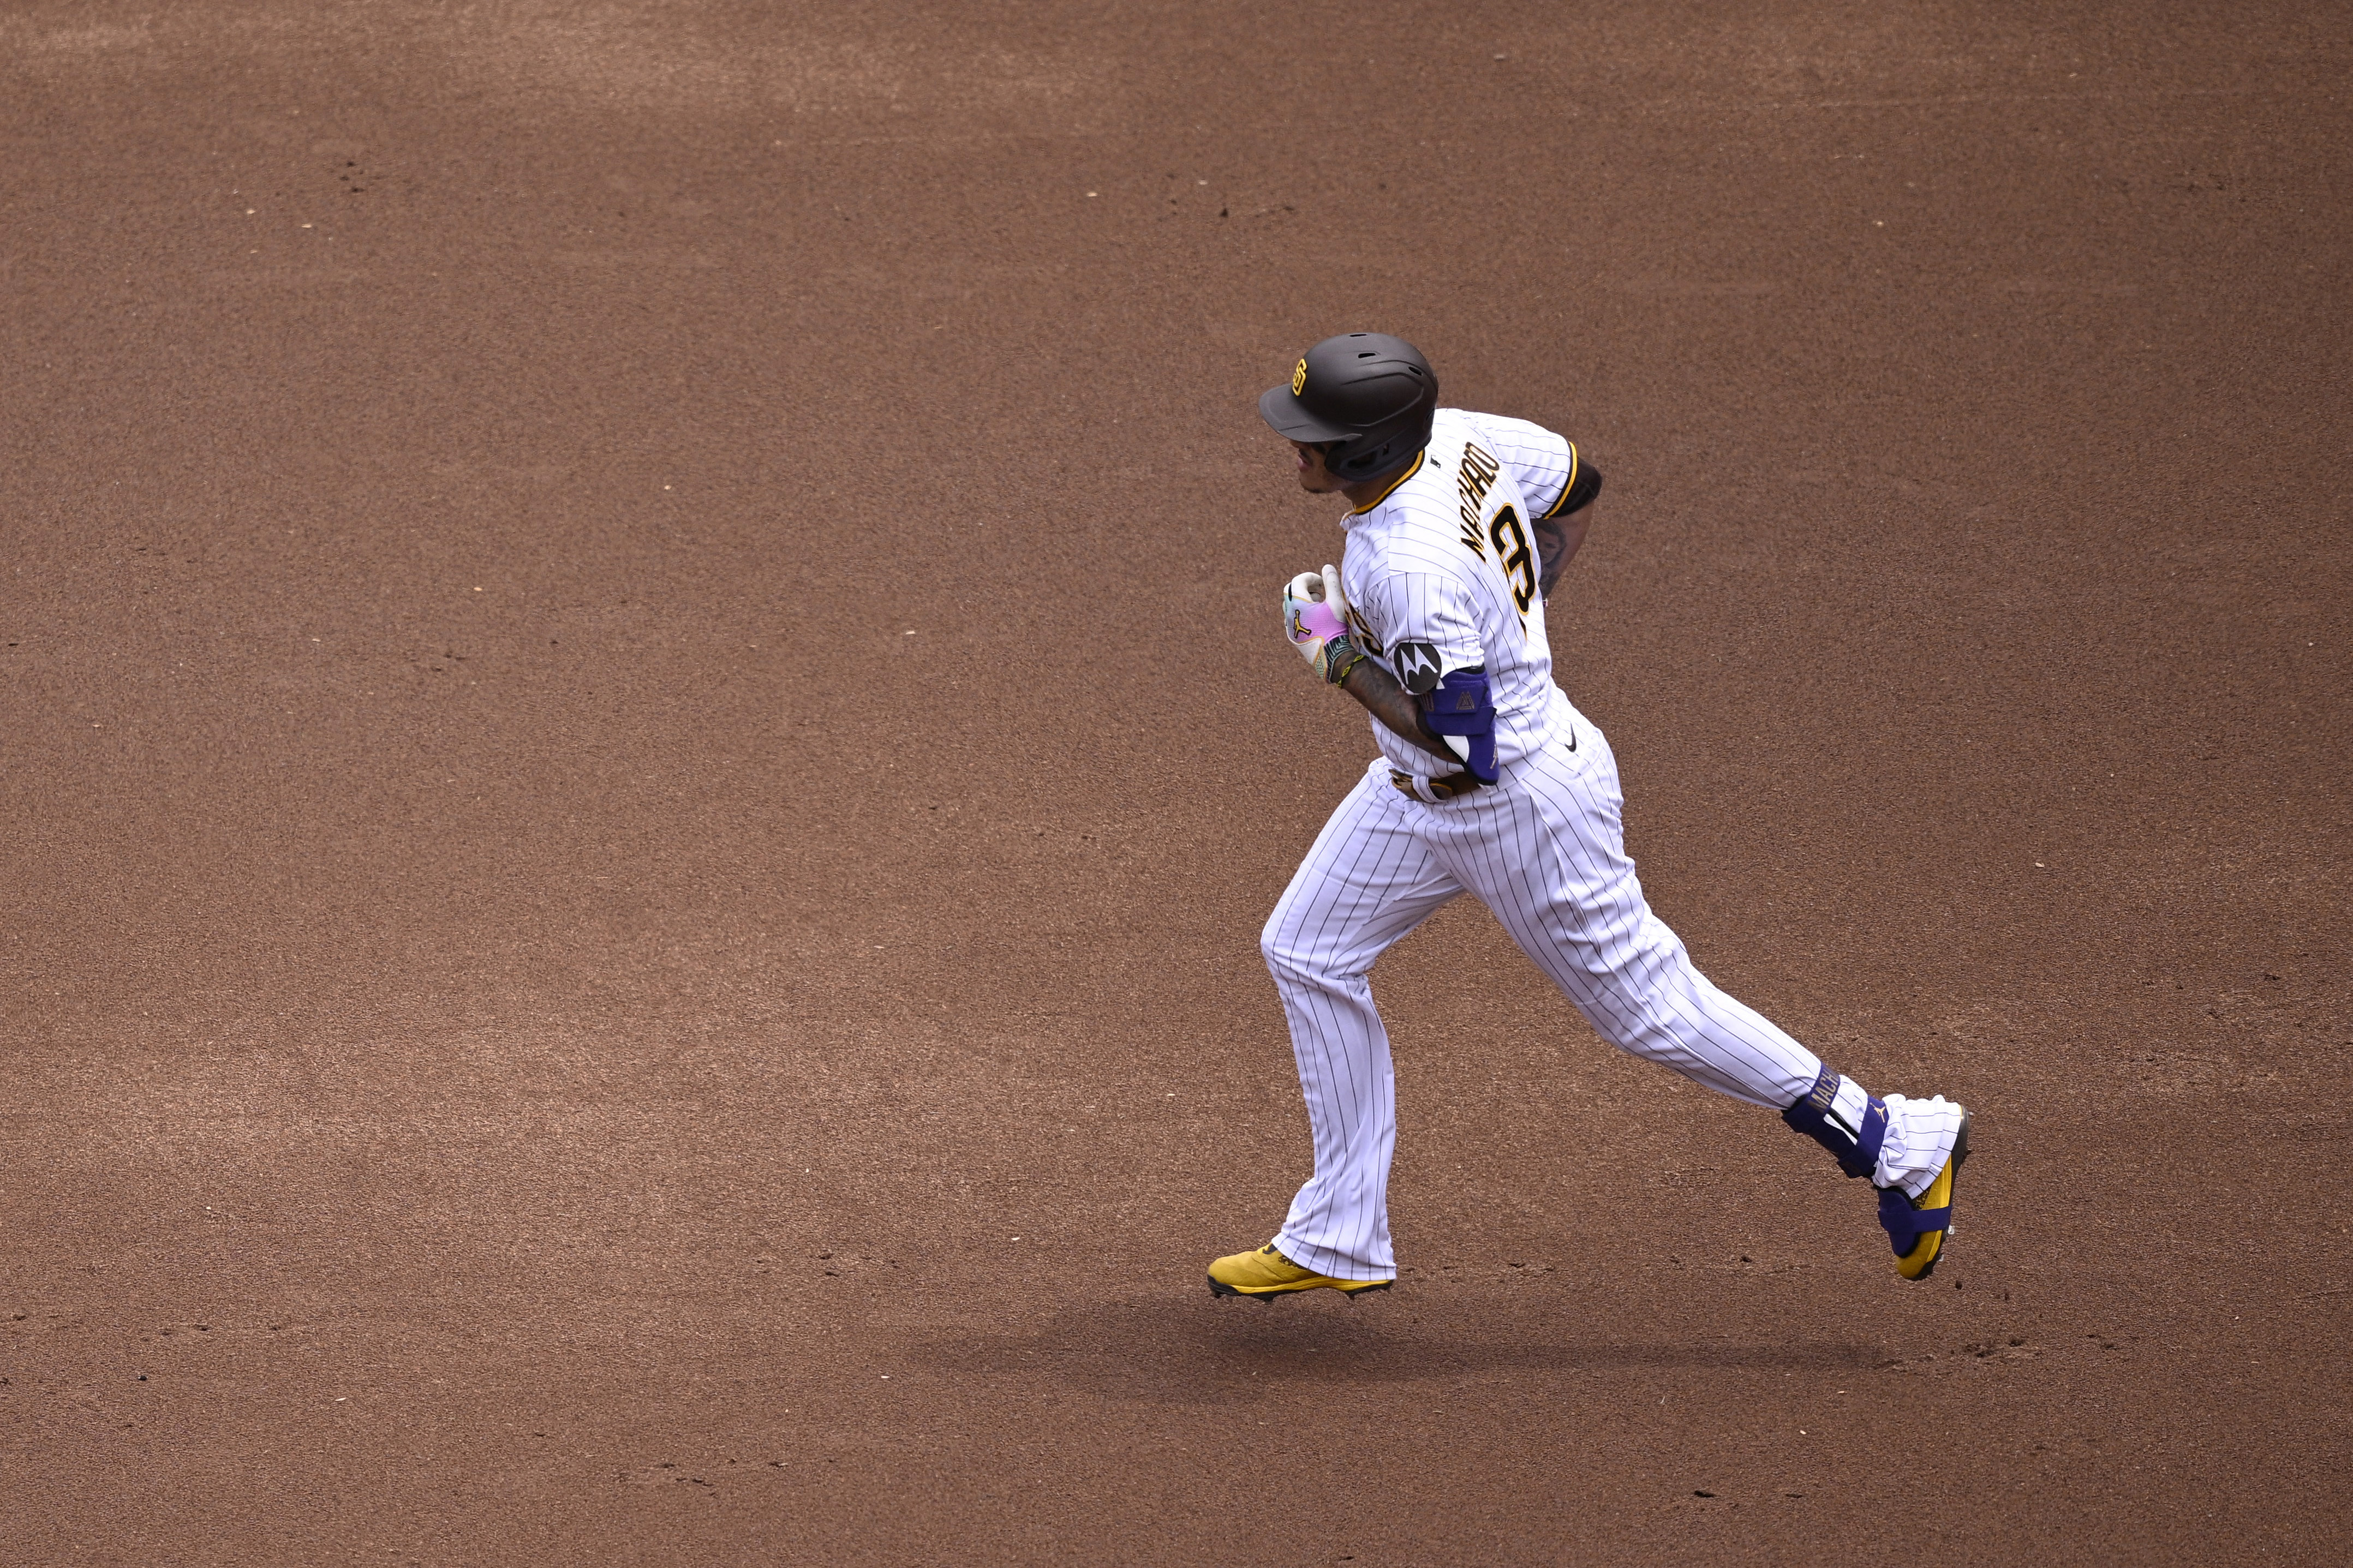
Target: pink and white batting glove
(1316, 622)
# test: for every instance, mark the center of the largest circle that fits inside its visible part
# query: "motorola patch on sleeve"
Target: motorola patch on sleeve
(1416, 664)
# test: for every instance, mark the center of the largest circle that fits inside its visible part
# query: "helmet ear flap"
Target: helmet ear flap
(1367, 462)
(1390, 436)
(1384, 448)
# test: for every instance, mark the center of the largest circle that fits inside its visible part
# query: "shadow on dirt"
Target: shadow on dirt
(1206, 1351)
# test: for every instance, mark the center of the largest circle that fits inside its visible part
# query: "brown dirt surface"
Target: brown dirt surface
(646, 743)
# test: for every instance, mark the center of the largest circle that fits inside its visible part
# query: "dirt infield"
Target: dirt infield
(646, 741)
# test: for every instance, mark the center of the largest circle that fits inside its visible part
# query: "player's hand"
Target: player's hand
(1314, 618)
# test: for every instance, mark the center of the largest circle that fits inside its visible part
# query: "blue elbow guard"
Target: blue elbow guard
(1459, 705)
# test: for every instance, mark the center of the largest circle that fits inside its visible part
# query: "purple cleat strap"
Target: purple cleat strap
(1905, 1224)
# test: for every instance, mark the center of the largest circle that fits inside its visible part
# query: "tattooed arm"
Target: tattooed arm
(1556, 542)
(1395, 707)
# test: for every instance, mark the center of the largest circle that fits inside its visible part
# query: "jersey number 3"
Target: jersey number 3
(1512, 554)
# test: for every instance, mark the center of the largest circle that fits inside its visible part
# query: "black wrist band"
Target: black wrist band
(1342, 655)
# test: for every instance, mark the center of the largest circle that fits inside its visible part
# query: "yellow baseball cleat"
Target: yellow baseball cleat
(1266, 1274)
(1918, 1227)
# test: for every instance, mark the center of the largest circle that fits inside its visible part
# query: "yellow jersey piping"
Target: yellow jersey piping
(1566, 485)
(1401, 479)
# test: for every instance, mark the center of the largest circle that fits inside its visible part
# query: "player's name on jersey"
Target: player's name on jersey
(1477, 476)
(1505, 531)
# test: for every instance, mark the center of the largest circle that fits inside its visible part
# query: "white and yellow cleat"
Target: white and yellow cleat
(1919, 1227)
(1267, 1273)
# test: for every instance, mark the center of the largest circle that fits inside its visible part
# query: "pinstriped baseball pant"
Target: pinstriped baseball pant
(1544, 850)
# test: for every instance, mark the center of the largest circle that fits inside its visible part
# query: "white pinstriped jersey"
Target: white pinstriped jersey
(1444, 567)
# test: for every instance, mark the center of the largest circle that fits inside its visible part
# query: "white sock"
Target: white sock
(1920, 1136)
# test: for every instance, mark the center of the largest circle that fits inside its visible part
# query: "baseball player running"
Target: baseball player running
(1490, 782)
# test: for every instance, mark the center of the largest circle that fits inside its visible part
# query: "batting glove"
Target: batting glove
(1315, 622)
